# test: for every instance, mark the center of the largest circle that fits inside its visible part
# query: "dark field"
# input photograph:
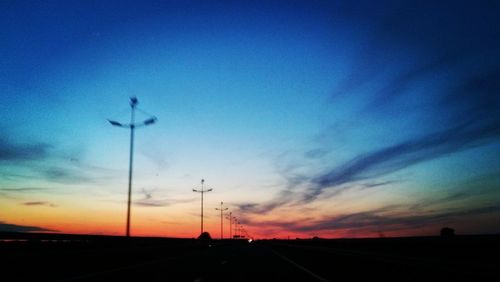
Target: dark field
(59, 257)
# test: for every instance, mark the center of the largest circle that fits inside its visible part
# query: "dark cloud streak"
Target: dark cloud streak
(16, 152)
(39, 203)
(402, 155)
(24, 189)
(5, 227)
(383, 219)
(406, 48)
(149, 200)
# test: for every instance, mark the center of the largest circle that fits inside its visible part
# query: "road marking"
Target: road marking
(300, 267)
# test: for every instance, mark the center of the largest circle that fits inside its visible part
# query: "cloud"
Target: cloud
(65, 175)
(150, 201)
(378, 221)
(155, 203)
(439, 201)
(16, 152)
(458, 112)
(389, 218)
(378, 184)
(156, 156)
(5, 227)
(12, 193)
(52, 173)
(316, 153)
(436, 42)
(402, 155)
(24, 189)
(37, 160)
(475, 98)
(477, 189)
(384, 161)
(39, 203)
(283, 198)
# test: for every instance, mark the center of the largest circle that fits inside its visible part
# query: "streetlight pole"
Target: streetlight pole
(202, 191)
(230, 225)
(132, 126)
(221, 219)
(235, 224)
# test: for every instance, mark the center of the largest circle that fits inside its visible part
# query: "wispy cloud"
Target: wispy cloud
(387, 222)
(384, 161)
(39, 203)
(476, 190)
(402, 155)
(16, 152)
(65, 175)
(42, 161)
(156, 156)
(390, 218)
(13, 193)
(149, 200)
(5, 227)
(459, 114)
(378, 184)
(24, 189)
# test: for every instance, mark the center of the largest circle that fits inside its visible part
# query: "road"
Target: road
(226, 262)
(237, 260)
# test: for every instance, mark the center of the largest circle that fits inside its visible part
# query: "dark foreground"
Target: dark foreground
(47, 257)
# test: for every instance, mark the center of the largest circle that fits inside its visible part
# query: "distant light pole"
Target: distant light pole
(235, 224)
(230, 225)
(202, 192)
(240, 229)
(132, 126)
(221, 219)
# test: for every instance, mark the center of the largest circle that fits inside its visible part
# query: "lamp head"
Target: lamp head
(150, 121)
(133, 101)
(115, 123)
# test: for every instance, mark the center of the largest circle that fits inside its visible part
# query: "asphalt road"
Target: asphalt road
(346, 264)
(233, 261)
(223, 262)
(237, 260)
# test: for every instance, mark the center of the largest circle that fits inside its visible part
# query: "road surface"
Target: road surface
(237, 260)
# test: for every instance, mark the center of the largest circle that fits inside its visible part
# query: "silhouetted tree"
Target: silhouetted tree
(447, 232)
(205, 236)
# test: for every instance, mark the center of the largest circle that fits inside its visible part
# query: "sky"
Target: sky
(306, 118)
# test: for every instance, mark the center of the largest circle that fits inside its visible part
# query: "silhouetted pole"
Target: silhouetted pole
(234, 226)
(236, 222)
(230, 225)
(221, 219)
(132, 126)
(202, 192)
(133, 103)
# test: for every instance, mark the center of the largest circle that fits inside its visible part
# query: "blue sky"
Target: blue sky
(360, 118)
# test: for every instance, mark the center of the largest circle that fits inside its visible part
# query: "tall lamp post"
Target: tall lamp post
(132, 126)
(235, 224)
(221, 219)
(202, 191)
(230, 217)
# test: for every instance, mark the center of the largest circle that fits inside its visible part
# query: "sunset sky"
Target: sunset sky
(307, 118)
